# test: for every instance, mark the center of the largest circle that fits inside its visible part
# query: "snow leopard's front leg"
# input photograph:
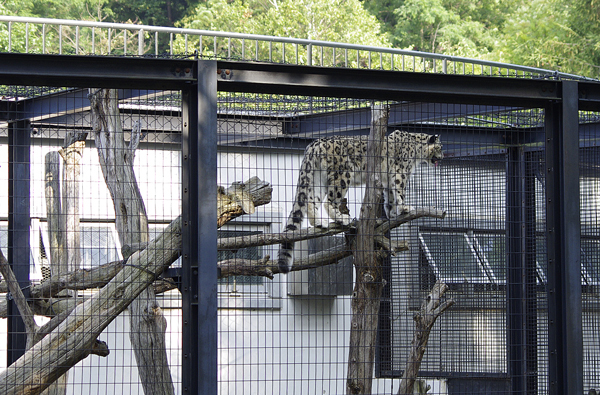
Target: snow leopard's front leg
(394, 198)
(336, 192)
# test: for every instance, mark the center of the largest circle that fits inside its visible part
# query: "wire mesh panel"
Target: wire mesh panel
(103, 176)
(308, 323)
(589, 183)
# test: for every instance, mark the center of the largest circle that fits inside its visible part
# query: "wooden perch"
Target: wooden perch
(432, 307)
(268, 268)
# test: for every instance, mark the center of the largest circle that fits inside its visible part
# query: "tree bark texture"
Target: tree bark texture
(70, 205)
(369, 281)
(432, 307)
(147, 323)
(53, 215)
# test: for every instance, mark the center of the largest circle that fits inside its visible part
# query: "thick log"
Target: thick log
(75, 337)
(432, 307)
(367, 262)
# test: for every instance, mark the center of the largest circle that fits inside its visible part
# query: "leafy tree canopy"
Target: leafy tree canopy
(330, 20)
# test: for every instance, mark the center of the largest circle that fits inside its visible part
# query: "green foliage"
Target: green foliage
(150, 12)
(327, 20)
(552, 35)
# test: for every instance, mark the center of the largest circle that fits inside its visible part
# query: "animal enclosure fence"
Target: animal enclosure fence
(506, 220)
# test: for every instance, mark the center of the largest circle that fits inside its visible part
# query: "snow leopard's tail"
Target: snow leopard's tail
(286, 249)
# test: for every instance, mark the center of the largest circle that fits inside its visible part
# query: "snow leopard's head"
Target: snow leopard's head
(432, 149)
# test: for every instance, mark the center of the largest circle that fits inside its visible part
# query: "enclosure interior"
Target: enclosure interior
(290, 334)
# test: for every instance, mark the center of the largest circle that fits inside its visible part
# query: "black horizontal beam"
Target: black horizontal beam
(95, 71)
(385, 85)
(589, 96)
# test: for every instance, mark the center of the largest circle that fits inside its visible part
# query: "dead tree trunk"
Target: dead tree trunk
(63, 221)
(431, 309)
(70, 204)
(369, 281)
(148, 325)
(53, 214)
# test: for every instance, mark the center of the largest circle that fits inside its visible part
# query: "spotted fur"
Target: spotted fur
(332, 165)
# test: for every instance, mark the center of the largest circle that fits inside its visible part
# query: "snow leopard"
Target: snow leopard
(332, 165)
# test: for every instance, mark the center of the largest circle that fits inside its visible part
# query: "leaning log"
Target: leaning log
(75, 337)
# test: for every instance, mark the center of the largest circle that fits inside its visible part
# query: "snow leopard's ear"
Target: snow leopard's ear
(433, 138)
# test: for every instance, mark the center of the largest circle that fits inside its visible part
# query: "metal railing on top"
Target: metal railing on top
(61, 36)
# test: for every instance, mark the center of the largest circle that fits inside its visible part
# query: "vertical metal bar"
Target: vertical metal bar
(521, 294)
(76, 40)
(60, 39)
(333, 63)
(156, 43)
(309, 54)
(322, 60)
(565, 332)
(170, 43)
(27, 37)
(200, 46)
(189, 211)
(44, 38)
(199, 208)
(109, 39)
(206, 247)
(18, 228)
(140, 42)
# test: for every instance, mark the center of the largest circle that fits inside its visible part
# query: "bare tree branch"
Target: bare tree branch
(19, 297)
(432, 307)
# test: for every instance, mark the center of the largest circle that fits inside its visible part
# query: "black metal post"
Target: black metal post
(565, 340)
(521, 272)
(18, 228)
(199, 215)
